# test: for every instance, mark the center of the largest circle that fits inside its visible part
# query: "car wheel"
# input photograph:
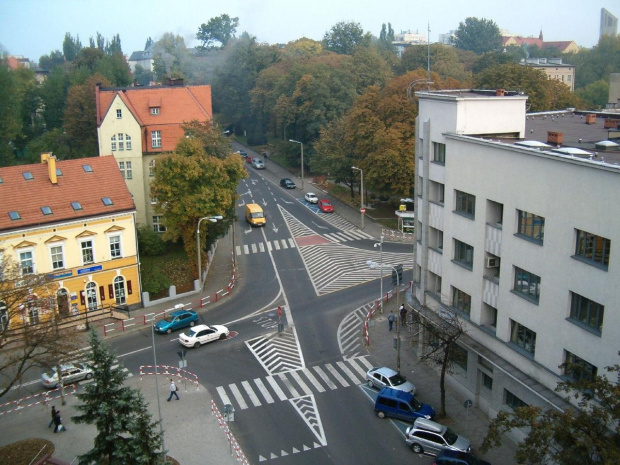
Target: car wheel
(89, 375)
(196, 345)
(381, 414)
(370, 385)
(192, 323)
(168, 331)
(417, 448)
(222, 336)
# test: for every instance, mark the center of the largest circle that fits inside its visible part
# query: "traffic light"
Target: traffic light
(397, 275)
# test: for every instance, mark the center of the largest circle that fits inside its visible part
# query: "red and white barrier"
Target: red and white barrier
(43, 398)
(373, 306)
(165, 370)
(241, 458)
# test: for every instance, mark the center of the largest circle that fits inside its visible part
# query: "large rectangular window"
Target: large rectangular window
(523, 337)
(593, 248)
(461, 301)
(88, 255)
(586, 312)
(513, 401)
(531, 226)
(158, 227)
(156, 139)
(58, 261)
(578, 369)
(126, 171)
(465, 203)
(115, 246)
(527, 284)
(463, 254)
(26, 262)
(439, 153)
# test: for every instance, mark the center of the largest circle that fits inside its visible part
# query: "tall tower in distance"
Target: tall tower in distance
(609, 24)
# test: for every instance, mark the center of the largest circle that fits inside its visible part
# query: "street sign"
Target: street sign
(182, 353)
(468, 403)
(363, 210)
(229, 413)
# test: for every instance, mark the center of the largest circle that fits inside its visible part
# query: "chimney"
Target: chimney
(500, 92)
(555, 137)
(50, 159)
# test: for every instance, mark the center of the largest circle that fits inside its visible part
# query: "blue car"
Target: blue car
(176, 320)
(401, 405)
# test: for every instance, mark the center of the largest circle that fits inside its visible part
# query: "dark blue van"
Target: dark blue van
(401, 405)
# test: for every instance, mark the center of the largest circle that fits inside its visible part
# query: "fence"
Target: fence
(241, 458)
(373, 307)
(44, 399)
(165, 370)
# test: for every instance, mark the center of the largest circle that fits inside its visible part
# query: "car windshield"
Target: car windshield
(258, 215)
(191, 333)
(169, 318)
(450, 436)
(50, 373)
(326, 204)
(397, 380)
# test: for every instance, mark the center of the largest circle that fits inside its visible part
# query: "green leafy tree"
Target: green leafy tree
(219, 29)
(49, 62)
(595, 95)
(588, 434)
(54, 140)
(489, 59)
(71, 47)
(32, 123)
(478, 36)
(149, 242)
(344, 37)
(194, 182)
(125, 430)
(114, 46)
(143, 76)
(10, 120)
(444, 61)
(170, 57)
(54, 94)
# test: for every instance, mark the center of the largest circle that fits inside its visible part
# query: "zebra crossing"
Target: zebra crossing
(349, 337)
(261, 247)
(295, 384)
(343, 236)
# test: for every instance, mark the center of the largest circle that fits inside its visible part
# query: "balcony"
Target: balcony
(493, 241)
(490, 292)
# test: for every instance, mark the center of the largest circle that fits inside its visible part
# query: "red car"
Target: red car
(250, 158)
(325, 206)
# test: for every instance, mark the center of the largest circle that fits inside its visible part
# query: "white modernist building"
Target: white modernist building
(522, 240)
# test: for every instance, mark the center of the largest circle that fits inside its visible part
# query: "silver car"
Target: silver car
(71, 372)
(426, 436)
(380, 377)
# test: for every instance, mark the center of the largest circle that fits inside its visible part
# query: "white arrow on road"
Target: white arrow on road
(275, 230)
(248, 231)
(319, 226)
(264, 202)
(241, 204)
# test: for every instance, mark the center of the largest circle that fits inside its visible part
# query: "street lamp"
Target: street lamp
(302, 161)
(374, 265)
(380, 245)
(362, 194)
(212, 219)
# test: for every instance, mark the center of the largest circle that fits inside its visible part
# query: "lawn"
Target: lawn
(174, 265)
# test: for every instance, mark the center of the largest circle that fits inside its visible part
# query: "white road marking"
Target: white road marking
(336, 375)
(238, 397)
(250, 392)
(276, 388)
(324, 377)
(263, 390)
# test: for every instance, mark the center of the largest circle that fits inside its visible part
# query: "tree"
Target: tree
(595, 94)
(49, 62)
(344, 37)
(10, 121)
(54, 94)
(194, 182)
(219, 29)
(444, 61)
(71, 47)
(478, 35)
(586, 434)
(169, 57)
(26, 343)
(125, 430)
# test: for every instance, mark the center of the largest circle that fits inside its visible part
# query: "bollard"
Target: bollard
(395, 343)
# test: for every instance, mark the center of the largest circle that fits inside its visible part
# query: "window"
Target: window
(119, 113)
(461, 301)
(119, 290)
(26, 263)
(157, 225)
(46, 210)
(14, 215)
(126, 171)
(113, 143)
(151, 168)
(121, 142)
(586, 312)
(115, 246)
(531, 226)
(153, 200)
(107, 201)
(439, 153)
(578, 369)
(523, 337)
(487, 381)
(87, 168)
(513, 401)
(57, 256)
(465, 203)
(463, 253)
(156, 139)
(527, 284)
(459, 356)
(592, 248)
(127, 141)
(76, 206)
(88, 255)
(27, 175)
(155, 111)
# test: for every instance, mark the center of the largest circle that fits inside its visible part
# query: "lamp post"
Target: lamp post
(362, 193)
(302, 161)
(380, 245)
(212, 219)
(374, 265)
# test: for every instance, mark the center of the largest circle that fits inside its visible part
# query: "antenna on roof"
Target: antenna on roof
(428, 56)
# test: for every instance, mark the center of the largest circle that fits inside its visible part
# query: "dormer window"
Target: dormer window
(155, 111)
(119, 114)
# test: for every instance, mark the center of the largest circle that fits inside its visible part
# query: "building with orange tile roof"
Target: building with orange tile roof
(74, 222)
(564, 46)
(138, 124)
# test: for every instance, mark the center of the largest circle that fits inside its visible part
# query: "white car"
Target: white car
(202, 334)
(258, 164)
(380, 377)
(311, 197)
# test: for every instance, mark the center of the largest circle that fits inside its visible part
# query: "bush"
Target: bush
(154, 280)
(149, 242)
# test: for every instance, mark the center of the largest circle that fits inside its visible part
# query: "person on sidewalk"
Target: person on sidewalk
(403, 314)
(58, 422)
(53, 416)
(173, 391)
(391, 319)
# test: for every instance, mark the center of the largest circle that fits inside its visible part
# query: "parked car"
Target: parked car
(287, 183)
(325, 206)
(380, 377)
(243, 153)
(426, 436)
(178, 319)
(250, 159)
(455, 457)
(401, 405)
(258, 164)
(203, 334)
(71, 373)
(311, 197)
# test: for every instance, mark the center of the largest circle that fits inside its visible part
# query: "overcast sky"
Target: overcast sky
(32, 28)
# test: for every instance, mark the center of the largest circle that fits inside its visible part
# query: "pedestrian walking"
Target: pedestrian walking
(391, 319)
(53, 415)
(173, 391)
(403, 314)
(58, 422)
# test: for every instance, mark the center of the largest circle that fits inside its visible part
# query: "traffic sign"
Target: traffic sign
(363, 210)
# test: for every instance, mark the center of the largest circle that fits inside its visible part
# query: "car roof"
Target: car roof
(200, 327)
(180, 312)
(311, 194)
(384, 371)
(324, 200)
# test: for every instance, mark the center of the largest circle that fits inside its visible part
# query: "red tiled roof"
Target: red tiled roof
(26, 197)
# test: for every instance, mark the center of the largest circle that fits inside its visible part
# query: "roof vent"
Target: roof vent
(500, 92)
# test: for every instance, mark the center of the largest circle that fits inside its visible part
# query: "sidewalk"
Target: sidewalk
(471, 423)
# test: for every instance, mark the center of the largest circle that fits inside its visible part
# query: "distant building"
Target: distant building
(144, 58)
(609, 24)
(554, 69)
(564, 46)
(18, 61)
(447, 38)
(406, 39)
(614, 91)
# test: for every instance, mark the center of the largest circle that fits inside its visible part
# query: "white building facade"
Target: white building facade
(522, 243)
